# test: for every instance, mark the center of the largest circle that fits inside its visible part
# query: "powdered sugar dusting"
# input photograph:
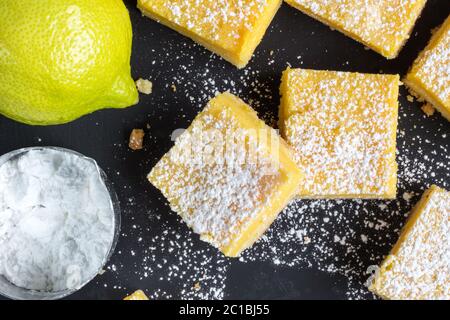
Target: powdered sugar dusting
(383, 25)
(298, 240)
(218, 21)
(431, 71)
(217, 195)
(419, 268)
(343, 128)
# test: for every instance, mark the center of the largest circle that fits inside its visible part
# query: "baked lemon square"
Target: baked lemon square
(418, 266)
(137, 295)
(382, 25)
(228, 175)
(342, 127)
(231, 29)
(429, 77)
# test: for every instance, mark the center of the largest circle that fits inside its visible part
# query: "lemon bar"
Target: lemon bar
(429, 77)
(418, 266)
(231, 29)
(137, 295)
(228, 175)
(382, 25)
(342, 127)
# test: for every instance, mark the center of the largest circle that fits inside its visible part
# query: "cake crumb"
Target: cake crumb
(174, 88)
(428, 109)
(144, 86)
(410, 98)
(136, 139)
(197, 286)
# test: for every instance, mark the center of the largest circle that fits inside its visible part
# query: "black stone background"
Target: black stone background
(103, 136)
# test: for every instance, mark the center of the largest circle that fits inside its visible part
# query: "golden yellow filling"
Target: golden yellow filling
(382, 25)
(418, 265)
(429, 77)
(342, 127)
(232, 29)
(228, 175)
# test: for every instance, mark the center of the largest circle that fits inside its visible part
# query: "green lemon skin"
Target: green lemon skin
(62, 59)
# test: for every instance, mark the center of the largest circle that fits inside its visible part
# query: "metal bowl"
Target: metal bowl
(12, 291)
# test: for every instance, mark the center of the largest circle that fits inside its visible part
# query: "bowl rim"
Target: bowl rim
(28, 294)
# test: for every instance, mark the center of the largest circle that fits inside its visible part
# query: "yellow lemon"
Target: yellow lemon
(61, 59)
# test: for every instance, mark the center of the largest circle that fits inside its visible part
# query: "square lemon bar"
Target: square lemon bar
(418, 266)
(228, 175)
(429, 77)
(342, 127)
(231, 29)
(382, 25)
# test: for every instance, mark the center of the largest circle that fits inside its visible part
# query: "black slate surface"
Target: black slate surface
(293, 38)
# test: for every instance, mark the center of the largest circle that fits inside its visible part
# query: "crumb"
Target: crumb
(174, 88)
(136, 139)
(197, 286)
(410, 98)
(144, 86)
(415, 95)
(428, 109)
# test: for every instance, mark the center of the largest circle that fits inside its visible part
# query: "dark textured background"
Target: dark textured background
(103, 136)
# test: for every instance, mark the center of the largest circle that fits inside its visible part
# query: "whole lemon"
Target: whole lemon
(61, 59)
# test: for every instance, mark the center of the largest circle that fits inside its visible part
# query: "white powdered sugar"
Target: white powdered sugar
(342, 127)
(430, 74)
(382, 24)
(56, 220)
(418, 269)
(219, 192)
(167, 260)
(216, 20)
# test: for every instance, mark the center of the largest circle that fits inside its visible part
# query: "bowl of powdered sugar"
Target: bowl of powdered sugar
(59, 222)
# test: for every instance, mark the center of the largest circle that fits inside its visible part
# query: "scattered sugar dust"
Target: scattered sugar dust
(346, 237)
(350, 236)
